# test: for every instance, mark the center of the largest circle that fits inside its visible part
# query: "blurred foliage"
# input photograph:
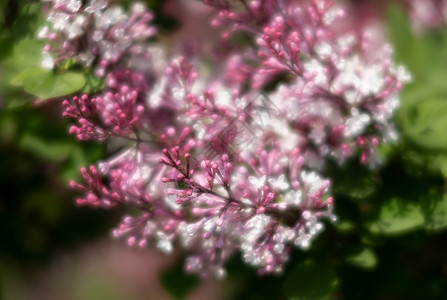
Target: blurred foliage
(390, 241)
(38, 218)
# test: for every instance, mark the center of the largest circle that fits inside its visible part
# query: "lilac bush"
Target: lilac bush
(222, 151)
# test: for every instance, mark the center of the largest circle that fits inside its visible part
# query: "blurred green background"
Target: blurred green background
(390, 241)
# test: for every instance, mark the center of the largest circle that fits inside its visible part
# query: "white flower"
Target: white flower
(76, 28)
(47, 61)
(163, 243)
(72, 5)
(293, 198)
(356, 124)
(312, 181)
(257, 182)
(59, 20)
(256, 225)
(280, 183)
(315, 68)
(43, 32)
(96, 7)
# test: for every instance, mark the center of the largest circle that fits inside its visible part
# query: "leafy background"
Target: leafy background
(390, 241)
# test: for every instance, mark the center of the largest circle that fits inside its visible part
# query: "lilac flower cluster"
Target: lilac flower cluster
(95, 34)
(226, 158)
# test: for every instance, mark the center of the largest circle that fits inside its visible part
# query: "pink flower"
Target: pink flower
(227, 157)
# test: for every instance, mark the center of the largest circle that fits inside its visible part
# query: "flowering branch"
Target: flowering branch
(226, 158)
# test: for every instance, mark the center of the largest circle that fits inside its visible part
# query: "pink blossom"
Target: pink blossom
(227, 157)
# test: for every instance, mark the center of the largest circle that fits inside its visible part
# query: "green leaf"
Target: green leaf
(421, 54)
(436, 216)
(80, 155)
(25, 54)
(346, 213)
(345, 226)
(362, 257)
(310, 280)
(400, 33)
(426, 124)
(29, 21)
(30, 72)
(56, 149)
(397, 217)
(436, 163)
(353, 181)
(372, 240)
(49, 86)
(177, 283)
(93, 84)
(28, 52)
